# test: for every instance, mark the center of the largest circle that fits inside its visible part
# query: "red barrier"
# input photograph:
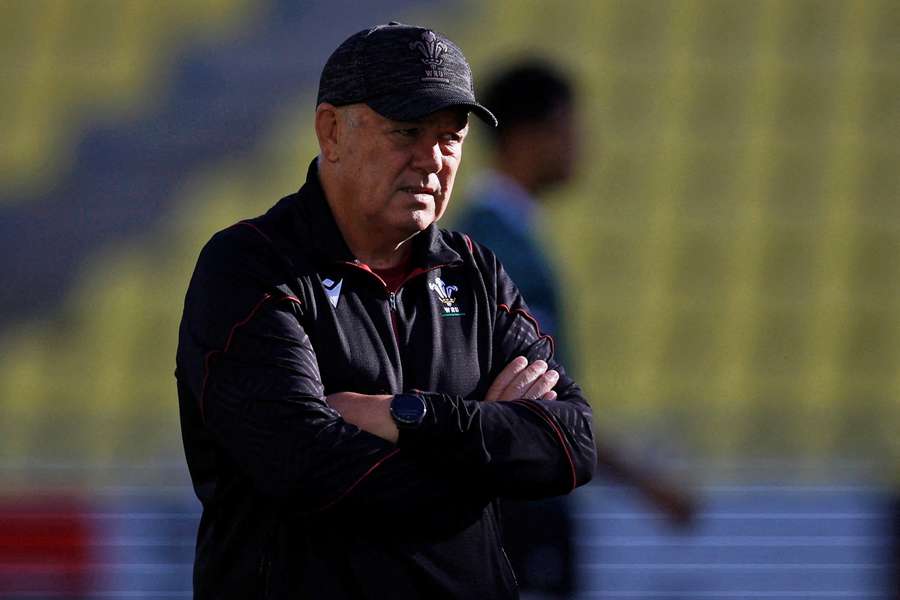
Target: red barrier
(45, 543)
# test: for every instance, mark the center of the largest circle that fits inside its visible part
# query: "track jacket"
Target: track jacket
(298, 503)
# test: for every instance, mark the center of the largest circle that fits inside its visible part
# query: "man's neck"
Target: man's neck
(377, 249)
(386, 256)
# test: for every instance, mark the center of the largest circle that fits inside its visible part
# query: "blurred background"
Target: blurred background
(729, 250)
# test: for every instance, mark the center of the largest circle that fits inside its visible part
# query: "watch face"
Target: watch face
(407, 409)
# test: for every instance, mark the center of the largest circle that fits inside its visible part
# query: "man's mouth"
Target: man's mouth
(419, 190)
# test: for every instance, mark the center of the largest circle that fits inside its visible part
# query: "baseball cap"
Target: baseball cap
(400, 71)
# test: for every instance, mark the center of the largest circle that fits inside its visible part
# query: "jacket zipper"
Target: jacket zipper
(392, 296)
(392, 304)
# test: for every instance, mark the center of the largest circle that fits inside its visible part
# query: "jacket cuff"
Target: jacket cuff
(451, 430)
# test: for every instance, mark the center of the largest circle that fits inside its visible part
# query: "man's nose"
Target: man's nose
(428, 157)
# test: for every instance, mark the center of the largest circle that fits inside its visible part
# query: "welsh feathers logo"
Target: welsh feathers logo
(445, 295)
(432, 50)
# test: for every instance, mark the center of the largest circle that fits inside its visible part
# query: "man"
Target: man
(358, 387)
(534, 149)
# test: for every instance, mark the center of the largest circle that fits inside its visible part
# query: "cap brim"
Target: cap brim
(411, 107)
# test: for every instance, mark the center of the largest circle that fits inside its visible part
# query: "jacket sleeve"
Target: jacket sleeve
(536, 445)
(249, 367)
(536, 448)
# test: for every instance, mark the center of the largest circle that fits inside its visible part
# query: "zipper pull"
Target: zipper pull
(392, 301)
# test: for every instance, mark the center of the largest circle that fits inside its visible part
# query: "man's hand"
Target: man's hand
(519, 380)
(370, 413)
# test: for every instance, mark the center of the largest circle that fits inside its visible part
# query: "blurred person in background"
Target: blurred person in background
(357, 386)
(534, 149)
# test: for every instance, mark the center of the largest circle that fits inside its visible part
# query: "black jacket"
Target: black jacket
(298, 503)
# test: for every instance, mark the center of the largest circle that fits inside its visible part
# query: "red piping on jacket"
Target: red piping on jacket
(539, 411)
(413, 274)
(367, 269)
(241, 323)
(353, 485)
(534, 322)
(244, 321)
(536, 408)
(254, 228)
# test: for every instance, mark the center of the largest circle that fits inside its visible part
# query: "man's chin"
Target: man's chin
(421, 219)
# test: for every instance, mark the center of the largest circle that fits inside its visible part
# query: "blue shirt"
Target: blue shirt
(501, 214)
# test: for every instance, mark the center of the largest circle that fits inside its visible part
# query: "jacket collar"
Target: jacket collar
(313, 221)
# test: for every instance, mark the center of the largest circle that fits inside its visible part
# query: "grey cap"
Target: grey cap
(402, 72)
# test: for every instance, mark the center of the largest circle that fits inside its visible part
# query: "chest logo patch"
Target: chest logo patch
(332, 290)
(445, 293)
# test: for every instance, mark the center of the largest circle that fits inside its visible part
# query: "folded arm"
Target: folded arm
(249, 373)
(532, 424)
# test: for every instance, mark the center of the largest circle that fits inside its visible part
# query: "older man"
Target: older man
(357, 386)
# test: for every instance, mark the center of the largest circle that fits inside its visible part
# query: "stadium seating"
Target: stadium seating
(736, 274)
(729, 249)
(67, 64)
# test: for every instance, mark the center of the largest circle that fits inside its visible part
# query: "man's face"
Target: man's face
(400, 173)
(558, 147)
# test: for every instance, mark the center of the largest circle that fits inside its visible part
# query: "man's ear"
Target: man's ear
(327, 131)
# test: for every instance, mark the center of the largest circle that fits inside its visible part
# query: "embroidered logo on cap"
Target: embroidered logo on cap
(432, 50)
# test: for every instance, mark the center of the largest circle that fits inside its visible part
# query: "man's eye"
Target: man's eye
(408, 132)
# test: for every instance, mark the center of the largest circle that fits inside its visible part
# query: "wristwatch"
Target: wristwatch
(408, 410)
